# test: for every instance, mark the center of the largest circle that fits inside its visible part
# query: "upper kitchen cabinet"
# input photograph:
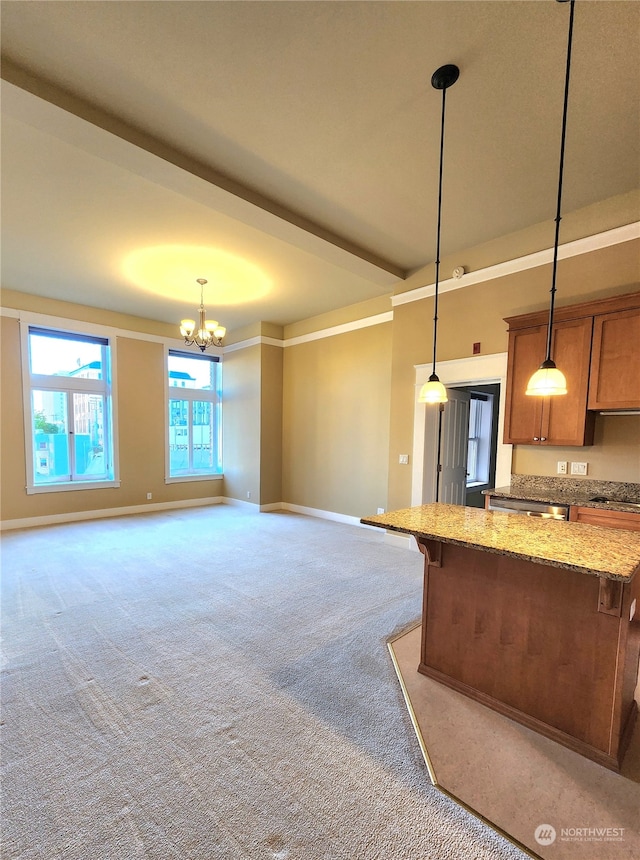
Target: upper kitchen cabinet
(615, 361)
(549, 420)
(597, 347)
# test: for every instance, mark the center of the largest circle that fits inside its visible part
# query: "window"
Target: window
(479, 447)
(195, 411)
(69, 410)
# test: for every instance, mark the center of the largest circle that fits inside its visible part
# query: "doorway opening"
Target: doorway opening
(479, 459)
(485, 375)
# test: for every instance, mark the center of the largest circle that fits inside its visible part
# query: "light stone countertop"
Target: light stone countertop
(559, 497)
(593, 550)
(570, 491)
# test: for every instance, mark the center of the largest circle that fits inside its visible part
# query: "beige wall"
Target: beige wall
(271, 385)
(336, 421)
(252, 424)
(614, 455)
(12, 442)
(241, 424)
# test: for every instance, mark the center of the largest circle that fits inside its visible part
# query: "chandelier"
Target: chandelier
(208, 332)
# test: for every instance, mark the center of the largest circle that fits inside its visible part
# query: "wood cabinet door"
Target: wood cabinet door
(615, 362)
(561, 420)
(565, 420)
(523, 415)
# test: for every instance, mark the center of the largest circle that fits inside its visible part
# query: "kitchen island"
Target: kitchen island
(536, 619)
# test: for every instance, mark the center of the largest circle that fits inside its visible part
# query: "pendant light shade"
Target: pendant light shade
(548, 380)
(434, 391)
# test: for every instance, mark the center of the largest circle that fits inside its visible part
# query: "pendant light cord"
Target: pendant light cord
(435, 318)
(558, 217)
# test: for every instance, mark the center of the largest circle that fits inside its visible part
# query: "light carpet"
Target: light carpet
(213, 684)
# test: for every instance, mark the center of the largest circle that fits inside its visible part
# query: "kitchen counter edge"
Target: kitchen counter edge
(591, 550)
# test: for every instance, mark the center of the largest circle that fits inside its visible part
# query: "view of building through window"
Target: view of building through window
(195, 426)
(70, 400)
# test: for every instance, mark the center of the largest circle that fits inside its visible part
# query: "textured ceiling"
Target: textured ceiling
(297, 142)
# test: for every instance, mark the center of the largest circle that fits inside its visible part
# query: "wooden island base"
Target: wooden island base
(551, 648)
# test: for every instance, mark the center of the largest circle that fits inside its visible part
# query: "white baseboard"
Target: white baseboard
(78, 516)
(323, 515)
(241, 503)
(403, 541)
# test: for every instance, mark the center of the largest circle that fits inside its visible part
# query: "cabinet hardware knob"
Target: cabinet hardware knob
(543, 438)
(536, 438)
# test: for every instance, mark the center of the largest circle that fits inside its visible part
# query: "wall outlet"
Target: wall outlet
(380, 510)
(149, 496)
(579, 468)
(248, 494)
(403, 459)
(561, 467)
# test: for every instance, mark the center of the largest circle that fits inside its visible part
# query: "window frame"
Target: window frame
(74, 385)
(191, 395)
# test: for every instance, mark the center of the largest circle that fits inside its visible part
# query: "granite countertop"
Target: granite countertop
(611, 553)
(559, 497)
(558, 491)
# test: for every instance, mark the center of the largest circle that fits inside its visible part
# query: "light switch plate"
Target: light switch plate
(579, 468)
(403, 459)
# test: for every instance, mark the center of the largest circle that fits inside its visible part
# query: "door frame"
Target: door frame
(476, 370)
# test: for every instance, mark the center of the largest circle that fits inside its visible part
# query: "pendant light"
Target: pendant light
(434, 391)
(207, 332)
(548, 380)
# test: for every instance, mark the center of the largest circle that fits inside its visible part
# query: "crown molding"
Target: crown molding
(616, 236)
(365, 322)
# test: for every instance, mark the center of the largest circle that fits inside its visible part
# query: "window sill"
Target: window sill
(68, 486)
(181, 479)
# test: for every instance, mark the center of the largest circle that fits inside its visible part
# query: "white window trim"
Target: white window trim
(40, 381)
(182, 479)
